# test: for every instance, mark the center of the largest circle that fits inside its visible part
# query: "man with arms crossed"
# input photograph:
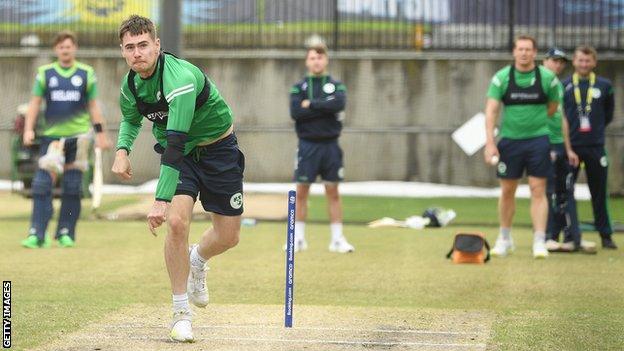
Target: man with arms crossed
(69, 89)
(316, 103)
(529, 95)
(589, 104)
(200, 156)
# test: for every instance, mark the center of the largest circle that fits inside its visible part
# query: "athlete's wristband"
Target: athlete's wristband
(98, 128)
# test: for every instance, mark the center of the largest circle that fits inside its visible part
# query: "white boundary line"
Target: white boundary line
(400, 331)
(373, 188)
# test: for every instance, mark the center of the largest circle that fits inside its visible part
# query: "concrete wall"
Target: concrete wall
(401, 110)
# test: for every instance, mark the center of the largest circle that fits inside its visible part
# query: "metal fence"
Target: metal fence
(343, 24)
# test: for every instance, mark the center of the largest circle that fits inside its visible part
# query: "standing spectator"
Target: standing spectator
(562, 213)
(589, 105)
(316, 103)
(529, 94)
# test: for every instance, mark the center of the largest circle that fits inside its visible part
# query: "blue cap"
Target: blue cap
(556, 53)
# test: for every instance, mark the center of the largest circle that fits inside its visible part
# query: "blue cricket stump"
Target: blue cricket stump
(290, 260)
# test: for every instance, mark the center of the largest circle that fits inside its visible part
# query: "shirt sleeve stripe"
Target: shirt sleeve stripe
(124, 95)
(169, 99)
(177, 90)
(496, 81)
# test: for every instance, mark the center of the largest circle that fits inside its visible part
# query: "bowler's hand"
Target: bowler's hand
(305, 103)
(121, 166)
(490, 151)
(157, 215)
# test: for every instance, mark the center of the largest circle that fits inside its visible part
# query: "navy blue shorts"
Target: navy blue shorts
(215, 173)
(319, 158)
(70, 147)
(516, 156)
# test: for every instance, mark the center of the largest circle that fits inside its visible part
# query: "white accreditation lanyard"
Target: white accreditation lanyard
(585, 125)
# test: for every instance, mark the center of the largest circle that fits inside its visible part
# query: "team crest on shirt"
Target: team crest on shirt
(76, 81)
(236, 201)
(304, 86)
(329, 88)
(53, 83)
(596, 93)
(158, 95)
(603, 161)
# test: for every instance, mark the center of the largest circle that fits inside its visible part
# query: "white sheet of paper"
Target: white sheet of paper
(471, 135)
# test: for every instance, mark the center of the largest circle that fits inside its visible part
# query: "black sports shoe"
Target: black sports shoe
(607, 243)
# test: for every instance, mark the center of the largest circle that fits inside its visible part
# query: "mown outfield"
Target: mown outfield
(567, 302)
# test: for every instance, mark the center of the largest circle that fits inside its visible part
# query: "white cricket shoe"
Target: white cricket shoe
(300, 245)
(196, 285)
(341, 246)
(502, 247)
(567, 246)
(552, 245)
(539, 249)
(588, 247)
(181, 329)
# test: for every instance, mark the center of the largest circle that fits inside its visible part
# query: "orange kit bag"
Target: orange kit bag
(469, 248)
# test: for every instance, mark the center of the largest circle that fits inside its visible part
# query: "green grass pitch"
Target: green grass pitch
(566, 302)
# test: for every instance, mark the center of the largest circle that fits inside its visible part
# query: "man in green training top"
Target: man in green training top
(529, 95)
(200, 157)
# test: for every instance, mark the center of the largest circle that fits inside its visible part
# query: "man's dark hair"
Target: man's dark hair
(64, 35)
(137, 25)
(320, 49)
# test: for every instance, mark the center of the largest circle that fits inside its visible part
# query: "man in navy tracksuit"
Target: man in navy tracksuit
(316, 103)
(589, 105)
